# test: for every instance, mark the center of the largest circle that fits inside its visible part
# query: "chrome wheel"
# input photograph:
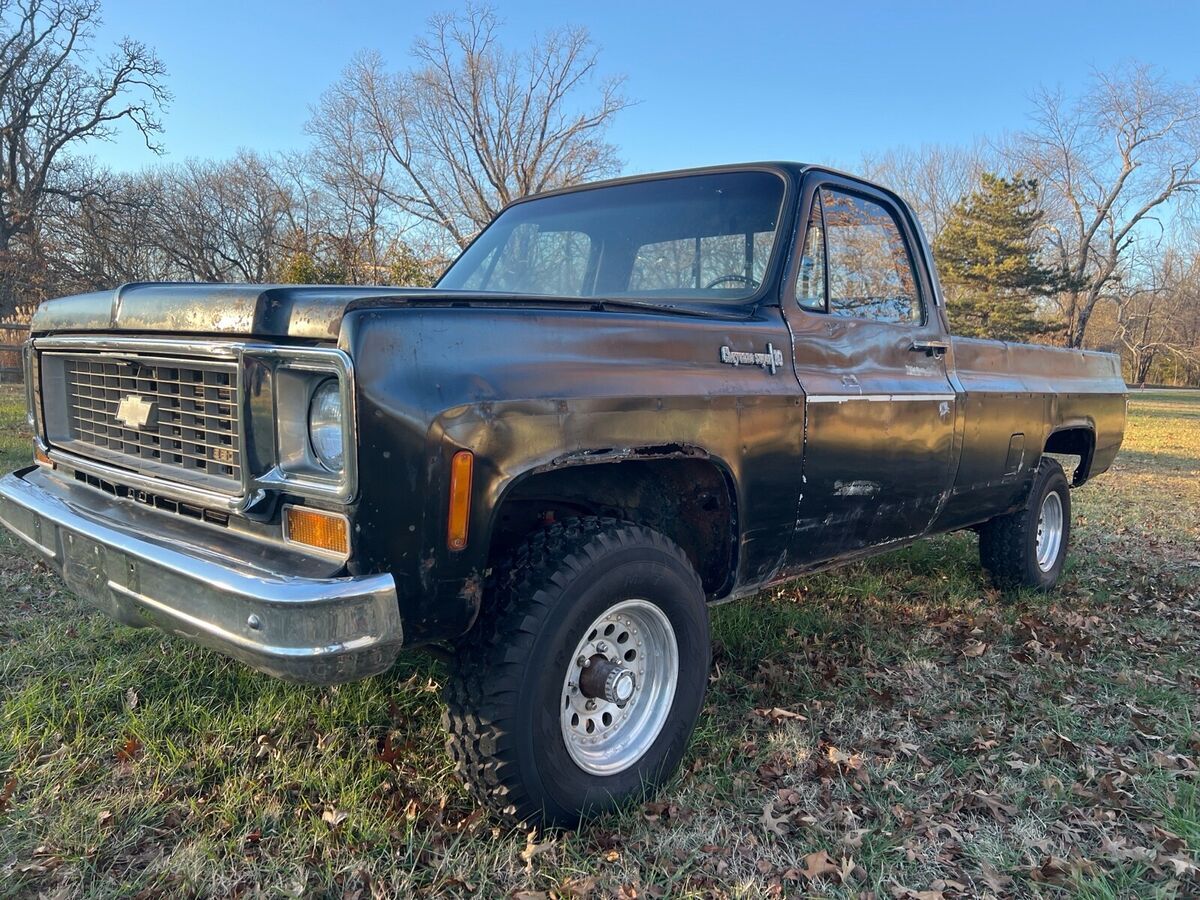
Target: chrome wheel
(1049, 531)
(619, 687)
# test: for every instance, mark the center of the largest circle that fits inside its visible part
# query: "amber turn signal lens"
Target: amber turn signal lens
(325, 531)
(40, 457)
(460, 499)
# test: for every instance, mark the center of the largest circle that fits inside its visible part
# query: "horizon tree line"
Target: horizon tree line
(1078, 229)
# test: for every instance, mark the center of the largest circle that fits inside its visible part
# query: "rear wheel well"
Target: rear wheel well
(1079, 442)
(688, 500)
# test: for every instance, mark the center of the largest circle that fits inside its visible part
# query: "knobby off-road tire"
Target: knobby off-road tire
(1027, 548)
(588, 593)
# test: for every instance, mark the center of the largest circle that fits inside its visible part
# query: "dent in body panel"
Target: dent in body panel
(880, 440)
(664, 391)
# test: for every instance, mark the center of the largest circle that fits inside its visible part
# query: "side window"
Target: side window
(810, 280)
(870, 271)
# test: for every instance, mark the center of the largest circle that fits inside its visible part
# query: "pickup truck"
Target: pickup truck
(623, 403)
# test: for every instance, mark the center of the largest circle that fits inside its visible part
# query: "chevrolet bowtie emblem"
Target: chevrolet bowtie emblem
(134, 411)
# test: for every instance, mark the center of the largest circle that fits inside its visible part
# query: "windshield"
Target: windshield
(697, 236)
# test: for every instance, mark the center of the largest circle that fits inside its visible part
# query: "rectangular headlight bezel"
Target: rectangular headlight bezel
(295, 373)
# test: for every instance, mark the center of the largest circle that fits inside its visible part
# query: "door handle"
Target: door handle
(930, 348)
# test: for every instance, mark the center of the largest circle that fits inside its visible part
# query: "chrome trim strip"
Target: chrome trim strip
(174, 490)
(877, 398)
(27, 367)
(190, 347)
(321, 630)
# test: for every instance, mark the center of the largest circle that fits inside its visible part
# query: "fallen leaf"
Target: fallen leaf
(774, 824)
(6, 793)
(777, 714)
(580, 888)
(665, 812)
(1171, 761)
(532, 849)
(1000, 810)
(846, 871)
(818, 865)
(265, 746)
(1183, 865)
(389, 754)
(130, 750)
(974, 649)
(334, 817)
(998, 883)
(1054, 869)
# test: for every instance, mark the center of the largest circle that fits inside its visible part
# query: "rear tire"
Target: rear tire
(585, 607)
(1028, 548)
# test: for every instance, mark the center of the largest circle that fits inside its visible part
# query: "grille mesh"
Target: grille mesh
(190, 410)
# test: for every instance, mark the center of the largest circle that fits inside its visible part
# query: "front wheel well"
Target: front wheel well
(690, 500)
(1078, 441)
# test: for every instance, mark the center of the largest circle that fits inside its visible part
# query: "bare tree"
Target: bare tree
(104, 238)
(470, 127)
(222, 221)
(932, 178)
(1157, 317)
(55, 94)
(1111, 165)
(201, 220)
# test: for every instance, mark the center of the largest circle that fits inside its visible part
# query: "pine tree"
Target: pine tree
(987, 256)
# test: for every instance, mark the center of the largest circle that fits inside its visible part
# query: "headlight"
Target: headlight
(325, 424)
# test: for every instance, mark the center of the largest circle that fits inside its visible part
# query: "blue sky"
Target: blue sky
(716, 82)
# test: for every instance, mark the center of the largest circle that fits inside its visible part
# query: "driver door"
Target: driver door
(870, 355)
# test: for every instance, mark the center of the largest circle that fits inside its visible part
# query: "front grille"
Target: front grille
(176, 419)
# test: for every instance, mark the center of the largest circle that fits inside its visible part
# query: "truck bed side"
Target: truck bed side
(1018, 401)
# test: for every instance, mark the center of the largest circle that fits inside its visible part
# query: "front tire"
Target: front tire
(1028, 548)
(581, 683)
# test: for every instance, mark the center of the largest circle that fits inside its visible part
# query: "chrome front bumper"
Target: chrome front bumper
(320, 630)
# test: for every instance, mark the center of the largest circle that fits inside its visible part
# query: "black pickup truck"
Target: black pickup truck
(623, 403)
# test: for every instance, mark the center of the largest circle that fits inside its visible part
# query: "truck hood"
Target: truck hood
(312, 312)
(247, 310)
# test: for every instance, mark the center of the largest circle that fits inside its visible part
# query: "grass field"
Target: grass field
(893, 729)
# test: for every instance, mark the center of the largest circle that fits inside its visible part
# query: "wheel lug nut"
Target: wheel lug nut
(583, 662)
(591, 704)
(602, 647)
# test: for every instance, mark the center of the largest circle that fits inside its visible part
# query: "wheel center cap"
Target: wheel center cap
(619, 686)
(603, 679)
